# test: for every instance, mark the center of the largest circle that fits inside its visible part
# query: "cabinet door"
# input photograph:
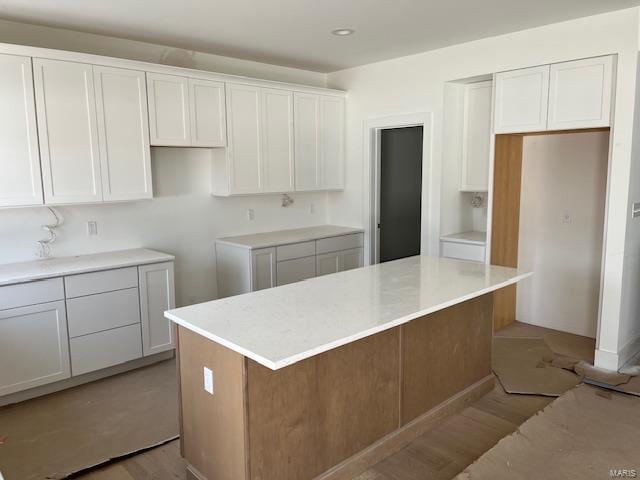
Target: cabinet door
(327, 263)
(296, 270)
(350, 259)
(20, 181)
(157, 294)
(331, 142)
(207, 109)
(263, 268)
(243, 150)
(476, 137)
(123, 131)
(277, 140)
(169, 122)
(521, 100)
(580, 93)
(306, 128)
(34, 347)
(66, 112)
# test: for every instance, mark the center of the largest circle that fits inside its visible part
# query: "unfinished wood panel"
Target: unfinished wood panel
(312, 415)
(443, 353)
(507, 180)
(213, 426)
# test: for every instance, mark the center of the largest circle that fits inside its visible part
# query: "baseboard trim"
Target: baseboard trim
(629, 351)
(614, 361)
(86, 378)
(400, 438)
(606, 360)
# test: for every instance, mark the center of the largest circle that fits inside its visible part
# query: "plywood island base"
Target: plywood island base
(333, 415)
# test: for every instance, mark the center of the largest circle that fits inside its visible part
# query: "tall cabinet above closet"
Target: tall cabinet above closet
(79, 128)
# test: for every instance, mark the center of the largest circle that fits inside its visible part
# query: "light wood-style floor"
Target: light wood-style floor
(441, 453)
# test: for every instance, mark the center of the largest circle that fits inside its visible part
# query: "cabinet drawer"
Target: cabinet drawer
(295, 270)
(295, 250)
(31, 293)
(105, 349)
(463, 251)
(99, 282)
(103, 311)
(343, 242)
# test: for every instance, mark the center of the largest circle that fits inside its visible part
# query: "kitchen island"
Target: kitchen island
(323, 378)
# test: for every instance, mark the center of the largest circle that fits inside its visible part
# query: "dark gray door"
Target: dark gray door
(400, 192)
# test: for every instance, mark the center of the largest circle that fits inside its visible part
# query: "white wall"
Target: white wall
(416, 83)
(182, 218)
(561, 225)
(60, 39)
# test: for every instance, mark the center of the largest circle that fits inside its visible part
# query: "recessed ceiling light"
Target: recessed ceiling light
(343, 32)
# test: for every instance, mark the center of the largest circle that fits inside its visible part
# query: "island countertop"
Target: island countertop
(284, 325)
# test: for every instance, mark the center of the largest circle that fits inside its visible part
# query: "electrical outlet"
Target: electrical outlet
(92, 228)
(635, 210)
(566, 218)
(208, 380)
(250, 214)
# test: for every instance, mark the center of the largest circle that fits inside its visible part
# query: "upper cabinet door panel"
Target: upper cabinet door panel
(306, 129)
(476, 137)
(207, 108)
(331, 135)
(169, 122)
(580, 93)
(65, 103)
(243, 123)
(521, 100)
(123, 129)
(20, 182)
(277, 140)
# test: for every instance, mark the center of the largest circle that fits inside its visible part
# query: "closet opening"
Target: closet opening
(548, 217)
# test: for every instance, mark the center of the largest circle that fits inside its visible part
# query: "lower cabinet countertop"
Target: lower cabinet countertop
(470, 237)
(282, 237)
(11, 273)
(280, 326)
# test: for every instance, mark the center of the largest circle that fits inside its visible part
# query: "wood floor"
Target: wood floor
(441, 453)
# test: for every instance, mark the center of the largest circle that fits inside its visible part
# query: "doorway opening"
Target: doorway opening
(400, 193)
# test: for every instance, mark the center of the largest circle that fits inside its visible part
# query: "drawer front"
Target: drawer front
(99, 282)
(463, 251)
(105, 349)
(103, 311)
(295, 250)
(31, 293)
(295, 270)
(343, 242)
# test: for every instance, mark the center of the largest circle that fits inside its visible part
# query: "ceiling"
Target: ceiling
(296, 33)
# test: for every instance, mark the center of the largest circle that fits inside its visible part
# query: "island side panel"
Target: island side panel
(310, 416)
(212, 426)
(444, 353)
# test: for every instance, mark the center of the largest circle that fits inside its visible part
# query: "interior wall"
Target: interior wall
(561, 230)
(416, 84)
(182, 219)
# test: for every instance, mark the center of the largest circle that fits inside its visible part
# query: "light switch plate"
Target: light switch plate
(635, 210)
(208, 380)
(92, 228)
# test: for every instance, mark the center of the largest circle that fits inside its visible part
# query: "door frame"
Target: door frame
(430, 221)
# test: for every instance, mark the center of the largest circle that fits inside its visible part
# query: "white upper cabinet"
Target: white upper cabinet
(169, 121)
(20, 182)
(580, 93)
(307, 128)
(277, 140)
(123, 129)
(521, 100)
(244, 150)
(207, 113)
(476, 137)
(319, 141)
(331, 142)
(68, 135)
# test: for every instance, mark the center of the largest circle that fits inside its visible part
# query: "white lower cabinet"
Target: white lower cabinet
(296, 270)
(263, 268)
(335, 262)
(463, 251)
(157, 294)
(61, 327)
(35, 346)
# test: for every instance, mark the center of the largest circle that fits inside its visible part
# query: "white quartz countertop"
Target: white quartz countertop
(473, 238)
(281, 237)
(59, 266)
(283, 325)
